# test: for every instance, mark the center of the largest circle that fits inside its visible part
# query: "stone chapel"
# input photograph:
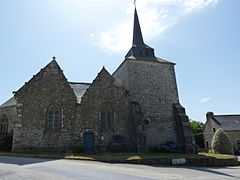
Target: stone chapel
(136, 108)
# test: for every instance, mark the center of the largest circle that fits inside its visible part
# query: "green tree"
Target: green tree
(221, 143)
(197, 129)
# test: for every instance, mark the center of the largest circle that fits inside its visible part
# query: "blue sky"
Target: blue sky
(201, 36)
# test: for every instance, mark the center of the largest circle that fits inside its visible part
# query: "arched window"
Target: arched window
(107, 120)
(107, 117)
(4, 125)
(54, 117)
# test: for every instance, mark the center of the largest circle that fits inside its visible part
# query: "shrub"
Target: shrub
(221, 143)
(78, 149)
(168, 147)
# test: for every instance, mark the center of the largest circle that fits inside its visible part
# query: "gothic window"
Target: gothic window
(110, 119)
(54, 117)
(4, 126)
(107, 120)
(102, 120)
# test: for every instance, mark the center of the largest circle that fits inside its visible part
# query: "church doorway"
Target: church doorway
(88, 142)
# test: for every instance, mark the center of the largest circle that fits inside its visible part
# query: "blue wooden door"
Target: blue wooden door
(88, 142)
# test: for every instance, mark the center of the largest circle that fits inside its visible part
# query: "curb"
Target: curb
(207, 162)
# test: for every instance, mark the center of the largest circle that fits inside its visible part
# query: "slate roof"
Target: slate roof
(156, 59)
(228, 122)
(79, 89)
(9, 103)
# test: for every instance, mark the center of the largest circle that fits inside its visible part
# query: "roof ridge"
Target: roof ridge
(40, 72)
(228, 115)
(87, 83)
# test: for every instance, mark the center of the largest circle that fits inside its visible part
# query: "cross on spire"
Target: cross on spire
(135, 2)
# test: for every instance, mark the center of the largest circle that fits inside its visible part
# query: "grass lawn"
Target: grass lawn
(142, 156)
(125, 156)
(217, 156)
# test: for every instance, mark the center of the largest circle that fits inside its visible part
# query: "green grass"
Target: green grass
(133, 156)
(217, 156)
(146, 156)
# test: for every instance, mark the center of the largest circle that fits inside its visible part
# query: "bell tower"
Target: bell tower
(151, 81)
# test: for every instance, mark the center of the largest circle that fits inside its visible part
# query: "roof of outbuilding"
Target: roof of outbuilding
(79, 89)
(8, 103)
(229, 122)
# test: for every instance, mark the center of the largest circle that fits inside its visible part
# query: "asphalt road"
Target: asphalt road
(12, 168)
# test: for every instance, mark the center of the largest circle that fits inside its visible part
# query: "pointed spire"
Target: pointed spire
(139, 48)
(137, 32)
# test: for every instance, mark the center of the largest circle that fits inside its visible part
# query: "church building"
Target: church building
(136, 108)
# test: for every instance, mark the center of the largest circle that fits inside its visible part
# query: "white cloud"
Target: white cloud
(205, 100)
(92, 35)
(191, 5)
(155, 17)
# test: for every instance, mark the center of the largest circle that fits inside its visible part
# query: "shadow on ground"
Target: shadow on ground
(22, 161)
(212, 171)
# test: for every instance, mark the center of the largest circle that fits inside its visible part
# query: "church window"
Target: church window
(4, 126)
(110, 119)
(214, 130)
(103, 121)
(107, 120)
(54, 117)
(238, 144)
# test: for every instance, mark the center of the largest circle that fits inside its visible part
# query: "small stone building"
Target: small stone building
(229, 123)
(135, 108)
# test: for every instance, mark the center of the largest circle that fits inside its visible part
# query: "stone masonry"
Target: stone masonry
(152, 84)
(229, 123)
(136, 108)
(33, 100)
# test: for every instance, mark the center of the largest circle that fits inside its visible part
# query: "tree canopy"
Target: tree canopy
(197, 129)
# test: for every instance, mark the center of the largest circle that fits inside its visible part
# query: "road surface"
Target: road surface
(16, 168)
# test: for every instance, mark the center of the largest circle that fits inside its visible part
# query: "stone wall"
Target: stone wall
(208, 131)
(183, 130)
(235, 138)
(105, 95)
(211, 127)
(11, 114)
(48, 87)
(152, 84)
(138, 100)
